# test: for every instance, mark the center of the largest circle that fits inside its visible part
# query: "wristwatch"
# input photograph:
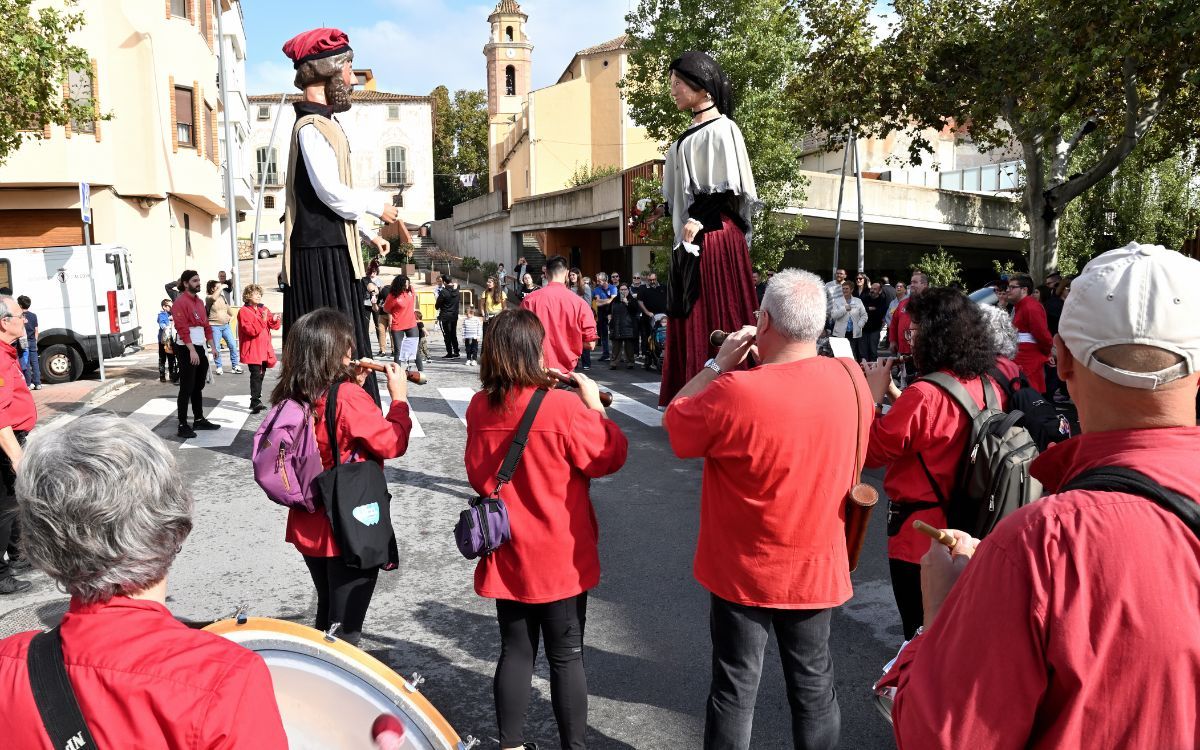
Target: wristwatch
(712, 365)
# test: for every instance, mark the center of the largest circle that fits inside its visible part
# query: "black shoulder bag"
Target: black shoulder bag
(52, 691)
(1121, 479)
(358, 504)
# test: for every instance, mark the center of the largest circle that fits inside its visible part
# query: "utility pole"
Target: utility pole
(837, 227)
(229, 202)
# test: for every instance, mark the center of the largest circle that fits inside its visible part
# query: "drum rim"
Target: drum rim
(237, 631)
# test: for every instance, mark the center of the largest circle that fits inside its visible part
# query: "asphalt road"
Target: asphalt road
(647, 646)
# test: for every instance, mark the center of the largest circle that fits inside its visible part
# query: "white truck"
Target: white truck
(57, 282)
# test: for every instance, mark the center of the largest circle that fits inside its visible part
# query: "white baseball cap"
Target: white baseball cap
(1137, 294)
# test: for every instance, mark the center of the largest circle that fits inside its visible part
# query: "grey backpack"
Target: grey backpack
(993, 476)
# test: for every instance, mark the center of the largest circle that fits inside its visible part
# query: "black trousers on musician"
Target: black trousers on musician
(191, 382)
(906, 585)
(257, 373)
(343, 594)
(560, 624)
(10, 532)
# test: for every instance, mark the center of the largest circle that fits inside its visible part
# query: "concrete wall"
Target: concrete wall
(597, 202)
(482, 229)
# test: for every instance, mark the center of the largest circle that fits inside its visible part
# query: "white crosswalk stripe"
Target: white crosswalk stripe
(652, 387)
(647, 415)
(154, 411)
(458, 399)
(231, 414)
(386, 403)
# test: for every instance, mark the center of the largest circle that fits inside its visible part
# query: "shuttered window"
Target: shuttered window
(185, 126)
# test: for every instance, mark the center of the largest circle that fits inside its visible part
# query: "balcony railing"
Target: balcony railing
(396, 178)
(273, 179)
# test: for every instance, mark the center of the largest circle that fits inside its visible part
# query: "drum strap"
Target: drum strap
(54, 695)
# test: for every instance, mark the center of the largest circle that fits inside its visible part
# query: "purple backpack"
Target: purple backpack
(285, 456)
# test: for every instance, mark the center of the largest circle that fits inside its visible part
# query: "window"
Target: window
(266, 160)
(5, 274)
(360, 80)
(115, 259)
(396, 168)
(79, 86)
(185, 126)
(276, 238)
(508, 34)
(180, 8)
(393, 111)
(510, 81)
(187, 234)
(212, 132)
(203, 17)
(264, 113)
(268, 201)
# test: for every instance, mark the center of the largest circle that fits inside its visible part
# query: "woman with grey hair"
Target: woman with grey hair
(104, 514)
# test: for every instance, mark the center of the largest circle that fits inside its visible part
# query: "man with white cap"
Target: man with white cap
(1075, 623)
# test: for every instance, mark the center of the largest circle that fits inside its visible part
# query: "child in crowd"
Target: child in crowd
(167, 364)
(472, 332)
(422, 348)
(30, 363)
(255, 323)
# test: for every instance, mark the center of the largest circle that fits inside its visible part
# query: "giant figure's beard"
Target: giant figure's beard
(337, 94)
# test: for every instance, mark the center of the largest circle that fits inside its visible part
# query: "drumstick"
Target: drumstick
(412, 375)
(606, 398)
(936, 534)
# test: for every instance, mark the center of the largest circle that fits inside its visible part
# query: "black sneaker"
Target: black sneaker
(19, 565)
(257, 406)
(204, 424)
(162, 378)
(10, 585)
(185, 431)
(447, 356)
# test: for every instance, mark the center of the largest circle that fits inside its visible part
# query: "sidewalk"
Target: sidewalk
(54, 400)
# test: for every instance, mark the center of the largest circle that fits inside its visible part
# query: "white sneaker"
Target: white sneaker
(237, 369)
(220, 371)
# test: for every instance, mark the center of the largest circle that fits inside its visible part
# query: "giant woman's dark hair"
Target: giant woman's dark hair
(702, 72)
(951, 334)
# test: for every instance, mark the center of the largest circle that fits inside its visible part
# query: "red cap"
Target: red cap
(315, 44)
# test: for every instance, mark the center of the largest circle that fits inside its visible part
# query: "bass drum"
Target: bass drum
(329, 692)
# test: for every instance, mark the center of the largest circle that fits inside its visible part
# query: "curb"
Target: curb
(85, 405)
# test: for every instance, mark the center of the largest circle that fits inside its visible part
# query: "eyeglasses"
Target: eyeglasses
(758, 315)
(909, 333)
(1014, 286)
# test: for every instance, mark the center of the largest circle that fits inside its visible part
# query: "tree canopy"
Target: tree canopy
(36, 57)
(1049, 75)
(460, 143)
(759, 44)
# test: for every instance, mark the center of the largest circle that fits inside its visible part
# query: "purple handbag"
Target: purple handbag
(483, 527)
(285, 456)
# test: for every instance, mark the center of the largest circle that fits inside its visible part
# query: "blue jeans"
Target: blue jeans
(223, 333)
(739, 639)
(31, 366)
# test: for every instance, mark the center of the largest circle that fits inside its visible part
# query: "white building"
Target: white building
(233, 45)
(391, 152)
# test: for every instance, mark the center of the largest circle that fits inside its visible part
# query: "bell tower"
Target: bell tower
(509, 60)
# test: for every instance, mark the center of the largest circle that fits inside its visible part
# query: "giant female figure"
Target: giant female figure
(710, 196)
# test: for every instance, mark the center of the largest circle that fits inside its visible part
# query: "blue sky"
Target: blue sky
(415, 45)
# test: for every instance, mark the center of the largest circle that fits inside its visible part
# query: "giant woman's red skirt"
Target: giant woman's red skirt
(727, 301)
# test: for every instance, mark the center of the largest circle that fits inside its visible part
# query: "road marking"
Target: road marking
(647, 415)
(458, 399)
(652, 387)
(417, 430)
(231, 414)
(154, 411)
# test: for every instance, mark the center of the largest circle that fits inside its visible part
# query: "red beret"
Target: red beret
(315, 44)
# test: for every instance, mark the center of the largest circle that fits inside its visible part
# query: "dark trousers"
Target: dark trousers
(450, 332)
(626, 348)
(739, 639)
(472, 348)
(859, 347)
(906, 585)
(168, 366)
(398, 337)
(257, 373)
(191, 382)
(10, 532)
(602, 332)
(343, 593)
(870, 345)
(560, 624)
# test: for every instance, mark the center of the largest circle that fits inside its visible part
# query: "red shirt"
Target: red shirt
(145, 680)
(188, 312)
(255, 324)
(403, 310)
(896, 329)
(361, 429)
(772, 505)
(552, 554)
(1033, 341)
(568, 321)
(923, 420)
(17, 409)
(1075, 624)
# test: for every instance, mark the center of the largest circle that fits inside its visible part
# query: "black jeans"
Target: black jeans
(10, 533)
(869, 346)
(398, 337)
(167, 366)
(906, 585)
(343, 593)
(739, 639)
(257, 373)
(561, 625)
(450, 332)
(191, 382)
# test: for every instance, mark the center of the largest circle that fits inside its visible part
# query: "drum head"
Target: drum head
(330, 692)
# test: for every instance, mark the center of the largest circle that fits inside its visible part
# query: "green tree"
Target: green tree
(759, 45)
(942, 268)
(586, 173)
(36, 57)
(460, 143)
(1046, 75)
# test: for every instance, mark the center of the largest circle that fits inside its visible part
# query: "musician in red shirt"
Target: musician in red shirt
(569, 322)
(779, 443)
(540, 578)
(192, 331)
(315, 356)
(1033, 335)
(401, 305)
(104, 514)
(18, 415)
(1073, 625)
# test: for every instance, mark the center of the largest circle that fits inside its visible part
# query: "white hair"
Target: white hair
(1004, 335)
(796, 302)
(103, 509)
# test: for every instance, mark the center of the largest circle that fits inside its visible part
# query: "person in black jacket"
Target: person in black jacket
(623, 327)
(877, 304)
(447, 306)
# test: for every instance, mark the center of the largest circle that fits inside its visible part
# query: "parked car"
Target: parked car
(57, 280)
(270, 245)
(984, 296)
